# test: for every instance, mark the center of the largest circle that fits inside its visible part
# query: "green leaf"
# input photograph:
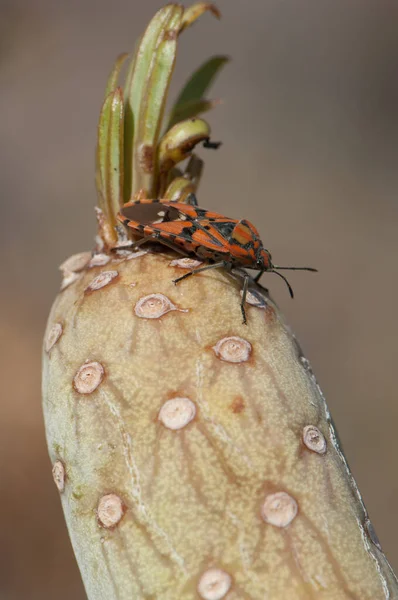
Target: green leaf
(133, 91)
(102, 147)
(129, 130)
(196, 87)
(146, 90)
(177, 144)
(114, 76)
(109, 175)
(114, 158)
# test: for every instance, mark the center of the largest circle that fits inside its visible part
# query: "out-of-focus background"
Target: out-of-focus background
(310, 145)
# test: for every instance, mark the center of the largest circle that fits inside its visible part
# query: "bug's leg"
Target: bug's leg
(132, 245)
(257, 278)
(152, 238)
(172, 246)
(206, 268)
(138, 243)
(126, 246)
(141, 241)
(244, 294)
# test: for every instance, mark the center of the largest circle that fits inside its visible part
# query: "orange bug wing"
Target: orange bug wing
(244, 242)
(211, 240)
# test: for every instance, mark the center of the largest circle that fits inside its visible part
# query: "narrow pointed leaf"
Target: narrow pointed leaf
(152, 107)
(146, 87)
(102, 146)
(197, 86)
(114, 159)
(114, 76)
(137, 75)
(129, 129)
(109, 171)
(144, 56)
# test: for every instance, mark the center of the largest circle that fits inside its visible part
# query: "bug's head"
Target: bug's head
(263, 260)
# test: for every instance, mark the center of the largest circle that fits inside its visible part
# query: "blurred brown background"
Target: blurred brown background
(310, 136)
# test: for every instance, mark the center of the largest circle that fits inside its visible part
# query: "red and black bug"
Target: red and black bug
(194, 231)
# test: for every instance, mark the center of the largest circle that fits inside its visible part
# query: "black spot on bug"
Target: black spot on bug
(201, 212)
(247, 246)
(224, 228)
(190, 230)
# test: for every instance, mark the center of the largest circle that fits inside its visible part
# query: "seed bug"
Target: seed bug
(209, 236)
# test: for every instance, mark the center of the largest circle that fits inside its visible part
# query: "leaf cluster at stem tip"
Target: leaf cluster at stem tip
(138, 149)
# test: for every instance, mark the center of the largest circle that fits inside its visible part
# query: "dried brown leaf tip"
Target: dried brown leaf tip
(88, 377)
(214, 584)
(177, 413)
(110, 510)
(59, 475)
(154, 306)
(233, 349)
(102, 280)
(53, 336)
(314, 439)
(279, 509)
(196, 10)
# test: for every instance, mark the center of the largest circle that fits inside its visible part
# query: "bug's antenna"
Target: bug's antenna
(297, 268)
(285, 280)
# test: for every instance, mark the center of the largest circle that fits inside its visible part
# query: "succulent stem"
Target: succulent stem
(195, 456)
